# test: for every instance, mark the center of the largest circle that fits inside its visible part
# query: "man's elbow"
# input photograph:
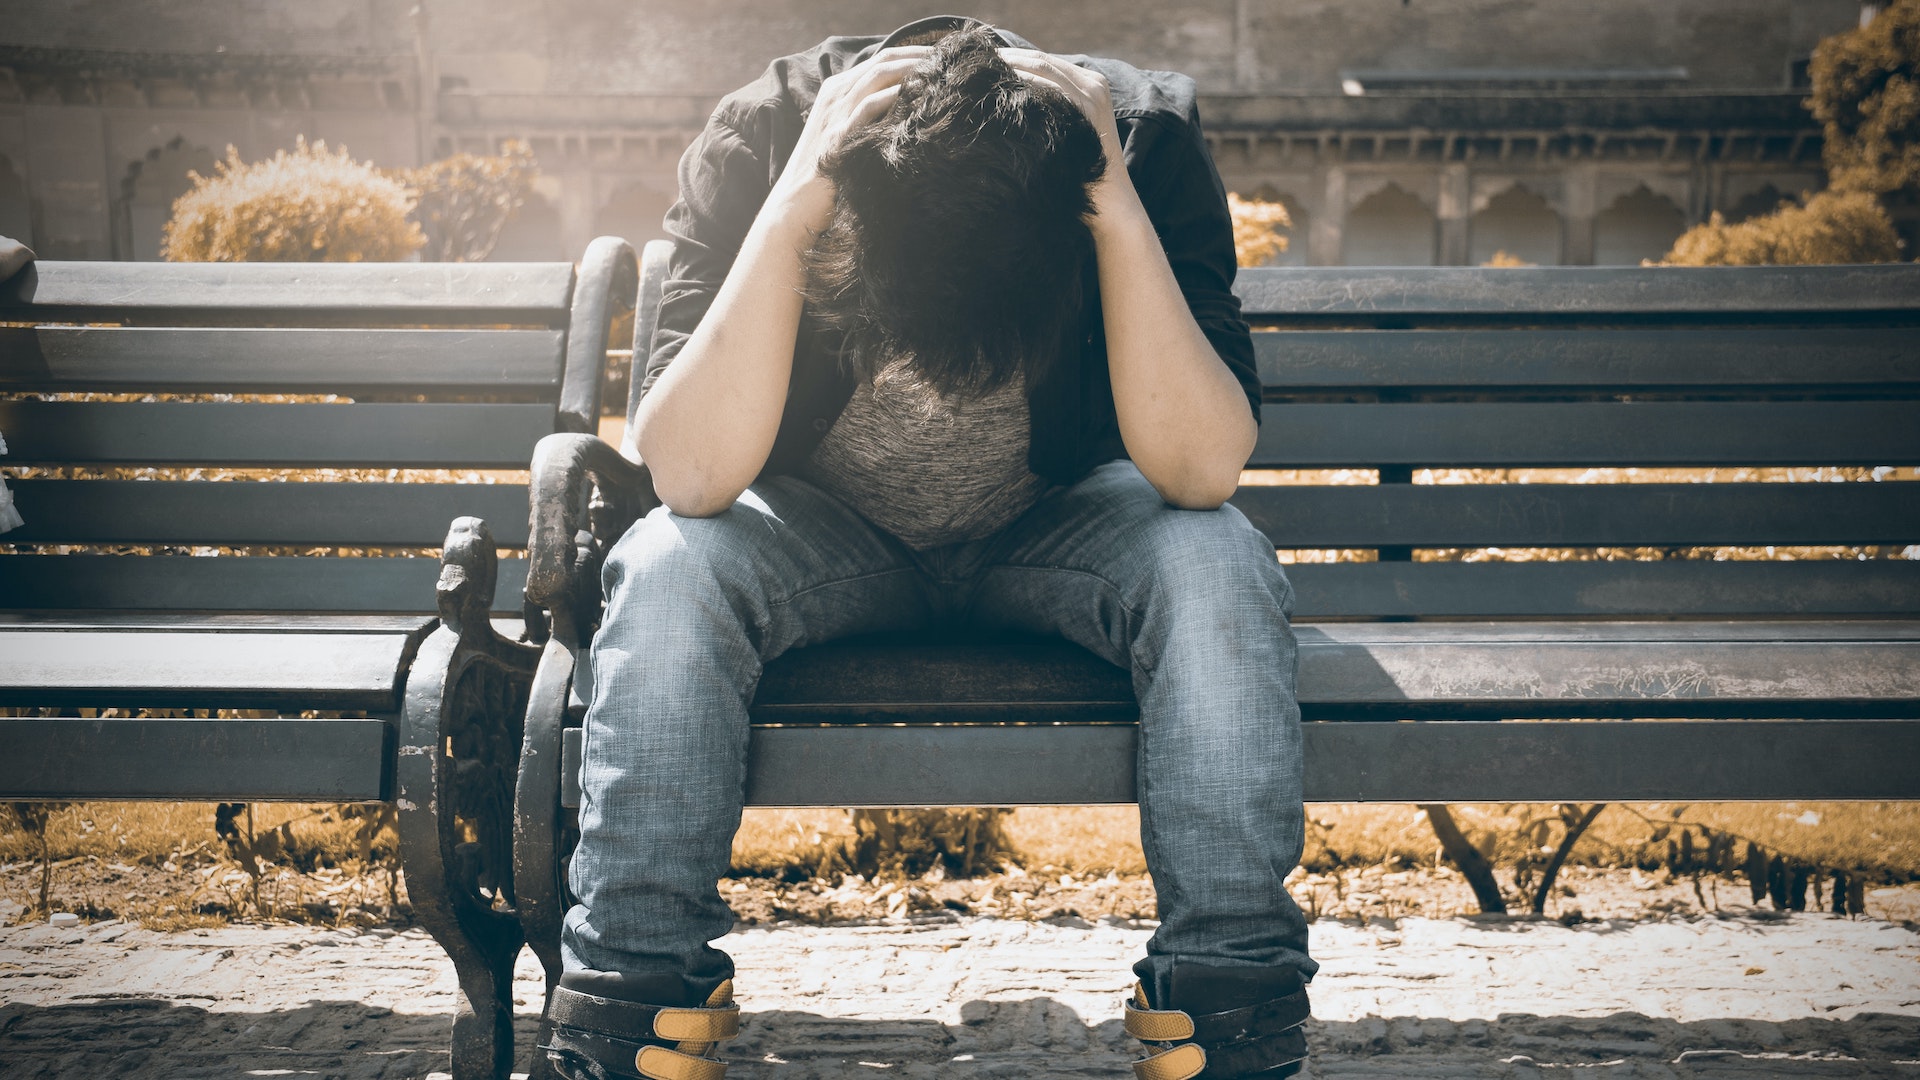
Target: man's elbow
(1204, 477)
(1198, 488)
(1209, 497)
(689, 494)
(694, 501)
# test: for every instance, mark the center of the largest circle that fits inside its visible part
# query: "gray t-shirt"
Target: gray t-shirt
(929, 468)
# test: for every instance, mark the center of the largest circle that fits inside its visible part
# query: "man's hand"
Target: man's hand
(848, 101)
(1085, 87)
(1182, 414)
(707, 426)
(1088, 90)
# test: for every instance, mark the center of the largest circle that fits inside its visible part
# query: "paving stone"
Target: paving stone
(987, 998)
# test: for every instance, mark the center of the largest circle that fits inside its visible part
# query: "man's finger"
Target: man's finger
(1034, 60)
(875, 105)
(870, 76)
(908, 53)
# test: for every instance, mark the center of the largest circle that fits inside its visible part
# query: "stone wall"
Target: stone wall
(1409, 130)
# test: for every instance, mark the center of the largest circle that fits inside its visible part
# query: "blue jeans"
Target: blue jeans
(1193, 603)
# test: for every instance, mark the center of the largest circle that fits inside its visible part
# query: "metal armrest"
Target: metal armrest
(584, 496)
(604, 290)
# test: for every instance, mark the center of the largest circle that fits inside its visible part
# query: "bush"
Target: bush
(307, 205)
(1256, 229)
(1830, 227)
(1866, 95)
(463, 202)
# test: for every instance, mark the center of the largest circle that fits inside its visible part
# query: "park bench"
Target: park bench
(1420, 681)
(134, 667)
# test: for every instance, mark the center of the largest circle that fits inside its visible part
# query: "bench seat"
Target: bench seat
(164, 660)
(1476, 670)
(953, 722)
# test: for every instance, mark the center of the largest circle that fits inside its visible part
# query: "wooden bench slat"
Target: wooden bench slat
(199, 668)
(248, 622)
(1571, 293)
(213, 760)
(1462, 761)
(290, 294)
(1617, 359)
(254, 360)
(1578, 515)
(468, 436)
(241, 512)
(235, 584)
(1616, 588)
(1589, 434)
(1609, 679)
(1394, 669)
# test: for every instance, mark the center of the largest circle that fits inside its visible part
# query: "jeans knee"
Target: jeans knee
(1212, 558)
(668, 558)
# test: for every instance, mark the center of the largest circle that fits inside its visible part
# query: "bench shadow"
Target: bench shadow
(141, 1038)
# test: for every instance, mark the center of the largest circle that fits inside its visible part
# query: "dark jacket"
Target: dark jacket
(727, 173)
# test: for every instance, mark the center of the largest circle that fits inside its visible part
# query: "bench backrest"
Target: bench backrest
(1374, 375)
(397, 391)
(1747, 371)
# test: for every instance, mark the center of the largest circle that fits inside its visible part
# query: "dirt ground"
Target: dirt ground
(1022, 976)
(173, 896)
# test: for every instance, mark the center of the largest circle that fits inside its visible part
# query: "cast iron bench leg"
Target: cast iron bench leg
(460, 740)
(543, 831)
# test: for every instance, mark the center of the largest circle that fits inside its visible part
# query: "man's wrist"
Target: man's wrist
(803, 210)
(1117, 209)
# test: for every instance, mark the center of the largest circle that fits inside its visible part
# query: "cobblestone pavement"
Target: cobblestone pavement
(1807, 996)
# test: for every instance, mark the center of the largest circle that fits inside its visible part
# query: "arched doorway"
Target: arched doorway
(1755, 204)
(1639, 225)
(1390, 227)
(1517, 222)
(149, 189)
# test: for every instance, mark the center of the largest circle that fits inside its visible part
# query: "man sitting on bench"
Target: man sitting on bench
(948, 340)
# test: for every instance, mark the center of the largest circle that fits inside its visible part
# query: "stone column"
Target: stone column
(1328, 228)
(1456, 206)
(1576, 240)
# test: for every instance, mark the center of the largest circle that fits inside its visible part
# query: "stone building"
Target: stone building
(1396, 131)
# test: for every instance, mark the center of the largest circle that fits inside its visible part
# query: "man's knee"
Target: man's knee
(666, 557)
(1208, 557)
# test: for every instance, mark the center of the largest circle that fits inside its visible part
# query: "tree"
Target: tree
(465, 201)
(307, 205)
(1256, 229)
(1866, 95)
(1829, 227)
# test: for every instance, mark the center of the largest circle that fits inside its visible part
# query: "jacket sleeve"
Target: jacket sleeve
(1173, 171)
(724, 180)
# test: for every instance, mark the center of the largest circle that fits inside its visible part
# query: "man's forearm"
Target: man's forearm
(1183, 415)
(706, 427)
(708, 424)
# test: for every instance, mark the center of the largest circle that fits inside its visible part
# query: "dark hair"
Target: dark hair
(959, 231)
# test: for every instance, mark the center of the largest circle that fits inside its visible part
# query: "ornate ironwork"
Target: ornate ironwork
(459, 759)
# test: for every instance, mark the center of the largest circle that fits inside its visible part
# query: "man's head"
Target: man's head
(959, 230)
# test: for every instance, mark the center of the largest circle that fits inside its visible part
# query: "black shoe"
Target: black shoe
(1221, 1024)
(635, 1028)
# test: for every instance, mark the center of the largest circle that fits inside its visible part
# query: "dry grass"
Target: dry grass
(163, 865)
(1880, 839)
